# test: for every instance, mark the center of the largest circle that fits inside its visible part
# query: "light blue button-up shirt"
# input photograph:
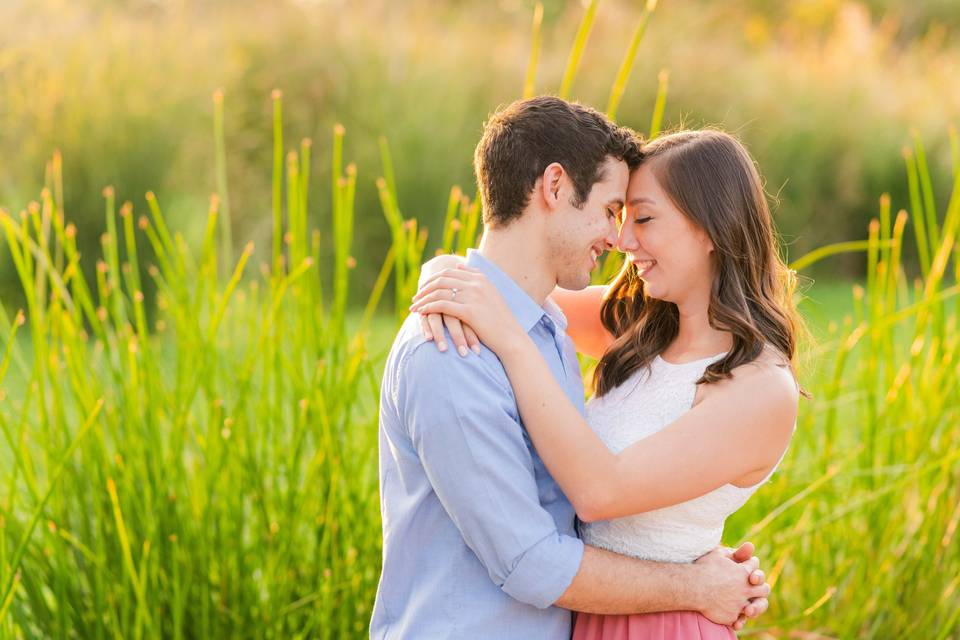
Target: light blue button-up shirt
(478, 539)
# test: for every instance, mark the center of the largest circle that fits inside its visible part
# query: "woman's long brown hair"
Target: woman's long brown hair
(712, 179)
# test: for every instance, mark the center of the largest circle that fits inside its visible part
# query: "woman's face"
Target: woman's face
(670, 252)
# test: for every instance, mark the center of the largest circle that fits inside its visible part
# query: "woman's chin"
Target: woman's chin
(652, 290)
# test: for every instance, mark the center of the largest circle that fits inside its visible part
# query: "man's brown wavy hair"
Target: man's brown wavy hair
(522, 140)
(711, 178)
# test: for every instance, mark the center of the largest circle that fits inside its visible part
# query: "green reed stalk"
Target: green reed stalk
(277, 98)
(916, 211)
(220, 155)
(449, 228)
(926, 188)
(534, 61)
(576, 51)
(626, 65)
(656, 119)
(469, 224)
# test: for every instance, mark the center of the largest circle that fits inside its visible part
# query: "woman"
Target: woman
(696, 339)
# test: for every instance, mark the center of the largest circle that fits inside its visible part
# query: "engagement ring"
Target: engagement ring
(454, 291)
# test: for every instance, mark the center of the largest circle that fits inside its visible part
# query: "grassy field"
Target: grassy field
(823, 92)
(201, 462)
(209, 471)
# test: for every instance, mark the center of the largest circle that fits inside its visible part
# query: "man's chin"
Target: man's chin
(575, 282)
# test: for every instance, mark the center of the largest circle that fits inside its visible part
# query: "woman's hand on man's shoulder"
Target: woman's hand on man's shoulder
(437, 264)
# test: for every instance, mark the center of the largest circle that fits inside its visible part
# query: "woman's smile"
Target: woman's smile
(643, 266)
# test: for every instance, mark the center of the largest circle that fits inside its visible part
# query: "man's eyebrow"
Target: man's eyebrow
(641, 200)
(615, 202)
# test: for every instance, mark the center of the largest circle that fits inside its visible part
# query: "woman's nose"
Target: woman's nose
(627, 239)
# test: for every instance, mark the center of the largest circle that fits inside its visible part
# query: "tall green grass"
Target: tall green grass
(117, 86)
(203, 463)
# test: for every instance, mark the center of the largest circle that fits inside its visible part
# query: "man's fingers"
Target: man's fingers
(751, 565)
(756, 608)
(744, 552)
(472, 340)
(757, 577)
(759, 591)
(456, 335)
(436, 327)
(741, 621)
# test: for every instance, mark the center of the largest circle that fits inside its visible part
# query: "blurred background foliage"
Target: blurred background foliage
(823, 92)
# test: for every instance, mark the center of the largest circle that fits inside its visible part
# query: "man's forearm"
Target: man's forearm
(610, 583)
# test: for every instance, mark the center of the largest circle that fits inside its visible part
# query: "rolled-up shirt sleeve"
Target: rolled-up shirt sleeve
(462, 422)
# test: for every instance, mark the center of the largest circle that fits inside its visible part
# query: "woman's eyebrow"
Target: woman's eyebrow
(641, 200)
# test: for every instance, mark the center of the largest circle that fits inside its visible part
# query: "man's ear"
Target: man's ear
(552, 183)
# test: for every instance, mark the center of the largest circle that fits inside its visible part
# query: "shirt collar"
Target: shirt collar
(523, 307)
(556, 313)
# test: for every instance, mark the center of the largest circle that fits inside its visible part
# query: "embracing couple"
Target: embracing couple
(488, 456)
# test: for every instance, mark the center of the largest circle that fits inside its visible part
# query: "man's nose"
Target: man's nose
(612, 233)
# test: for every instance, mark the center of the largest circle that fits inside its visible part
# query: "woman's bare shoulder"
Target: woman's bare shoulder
(772, 372)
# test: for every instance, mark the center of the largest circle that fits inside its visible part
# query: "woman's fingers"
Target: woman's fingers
(443, 284)
(440, 295)
(441, 307)
(436, 328)
(462, 335)
(425, 328)
(438, 285)
(456, 334)
(472, 340)
(458, 275)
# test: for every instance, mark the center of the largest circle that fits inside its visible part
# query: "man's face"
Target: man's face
(577, 237)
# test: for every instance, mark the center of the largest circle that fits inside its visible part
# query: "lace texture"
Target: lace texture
(643, 405)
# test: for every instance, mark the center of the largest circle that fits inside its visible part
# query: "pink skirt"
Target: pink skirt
(669, 625)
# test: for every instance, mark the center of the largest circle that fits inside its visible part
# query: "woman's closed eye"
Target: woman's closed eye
(643, 219)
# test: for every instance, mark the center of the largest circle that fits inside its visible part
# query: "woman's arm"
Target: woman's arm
(732, 433)
(582, 309)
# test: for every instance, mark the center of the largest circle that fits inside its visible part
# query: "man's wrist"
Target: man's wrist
(692, 590)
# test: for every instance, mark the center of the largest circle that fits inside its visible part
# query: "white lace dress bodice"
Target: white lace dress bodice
(643, 405)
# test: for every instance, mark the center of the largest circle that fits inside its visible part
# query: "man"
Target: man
(478, 540)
